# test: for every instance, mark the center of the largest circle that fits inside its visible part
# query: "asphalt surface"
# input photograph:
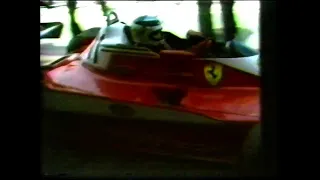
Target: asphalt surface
(73, 153)
(73, 163)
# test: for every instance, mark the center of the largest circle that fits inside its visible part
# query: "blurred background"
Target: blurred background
(178, 16)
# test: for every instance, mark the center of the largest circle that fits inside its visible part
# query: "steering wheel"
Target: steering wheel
(202, 49)
(202, 46)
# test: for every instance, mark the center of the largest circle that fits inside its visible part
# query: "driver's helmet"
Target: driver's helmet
(147, 31)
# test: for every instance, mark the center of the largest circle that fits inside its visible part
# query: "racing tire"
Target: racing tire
(82, 40)
(251, 160)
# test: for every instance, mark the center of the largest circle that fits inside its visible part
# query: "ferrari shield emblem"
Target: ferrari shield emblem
(213, 73)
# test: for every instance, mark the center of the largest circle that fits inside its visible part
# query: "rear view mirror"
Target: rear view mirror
(112, 18)
(51, 30)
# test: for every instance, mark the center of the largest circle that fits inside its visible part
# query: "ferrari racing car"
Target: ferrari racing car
(189, 97)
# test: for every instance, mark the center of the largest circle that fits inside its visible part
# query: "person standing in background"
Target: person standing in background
(205, 19)
(75, 29)
(230, 29)
(104, 8)
(72, 6)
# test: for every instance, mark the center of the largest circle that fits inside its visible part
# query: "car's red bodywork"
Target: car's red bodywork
(233, 104)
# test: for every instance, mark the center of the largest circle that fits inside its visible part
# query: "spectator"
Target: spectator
(72, 6)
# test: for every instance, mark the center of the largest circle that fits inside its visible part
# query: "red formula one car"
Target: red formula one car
(198, 101)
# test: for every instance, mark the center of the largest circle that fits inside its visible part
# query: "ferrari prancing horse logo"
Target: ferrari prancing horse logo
(213, 73)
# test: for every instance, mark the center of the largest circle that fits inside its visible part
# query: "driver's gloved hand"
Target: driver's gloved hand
(228, 44)
(195, 37)
(202, 49)
(166, 46)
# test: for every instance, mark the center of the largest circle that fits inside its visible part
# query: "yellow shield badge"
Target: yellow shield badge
(213, 73)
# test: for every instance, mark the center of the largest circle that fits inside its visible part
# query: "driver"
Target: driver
(146, 31)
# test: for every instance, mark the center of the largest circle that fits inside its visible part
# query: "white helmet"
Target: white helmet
(147, 30)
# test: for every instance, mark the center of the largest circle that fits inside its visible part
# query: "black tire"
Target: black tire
(81, 39)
